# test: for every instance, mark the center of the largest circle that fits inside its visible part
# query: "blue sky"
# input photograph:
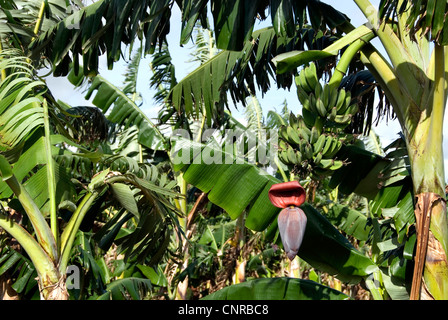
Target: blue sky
(274, 99)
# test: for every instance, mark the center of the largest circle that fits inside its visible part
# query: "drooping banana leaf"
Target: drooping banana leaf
(426, 16)
(243, 187)
(18, 18)
(234, 20)
(30, 166)
(363, 168)
(372, 175)
(277, 289)
(102, 27)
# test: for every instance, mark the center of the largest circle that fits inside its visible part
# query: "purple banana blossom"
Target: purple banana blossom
(291, 220)
(292, 224)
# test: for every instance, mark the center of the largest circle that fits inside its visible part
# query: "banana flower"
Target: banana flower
(292, 220)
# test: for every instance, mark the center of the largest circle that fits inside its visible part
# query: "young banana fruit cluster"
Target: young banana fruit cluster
(300, 145)
(323, 101)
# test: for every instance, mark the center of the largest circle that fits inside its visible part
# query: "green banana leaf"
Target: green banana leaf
(243, 187)
(326, 249)
(29, 158)
(350, 221)
(277, 289)
(363, 168)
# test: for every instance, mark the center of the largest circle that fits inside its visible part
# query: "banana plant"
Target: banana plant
(414, 83)
(42, 187)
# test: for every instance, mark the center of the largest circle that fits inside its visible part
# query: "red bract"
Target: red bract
(292, 224)
(283, 195)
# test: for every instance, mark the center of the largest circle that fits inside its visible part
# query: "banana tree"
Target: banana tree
(415, 85)
(36, 173)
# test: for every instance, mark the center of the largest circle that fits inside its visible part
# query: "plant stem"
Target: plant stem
(50, 176)
(406, 68)
(41, 261)
(69, 234)
(48, 273)
(43, 231)
(346, 59)
(3, 71)
(280, 169)
(427, 165)
(40, 18)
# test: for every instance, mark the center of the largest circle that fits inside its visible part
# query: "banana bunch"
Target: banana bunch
(322, 100)
(342, 112)
(298, 143)
(312, 151)
(325, 149)
(288, 155)
(295, 145)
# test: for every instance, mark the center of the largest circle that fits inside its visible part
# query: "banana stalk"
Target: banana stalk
(50, 176)
(425, 145)
(45, 267)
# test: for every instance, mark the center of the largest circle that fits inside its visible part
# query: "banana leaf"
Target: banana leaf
(277, 289)
(350, 221)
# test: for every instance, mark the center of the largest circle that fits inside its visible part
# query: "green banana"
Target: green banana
(304, 98)
(298, 156)
(319, 144)
(328, 143)
(313, 107)
(308, 151)
(314, 135)
(326, 163)
(333, 98)
(318, 91)
(341, 99)
(352, 109)
(291, 154)
(293, 135)
(311, 75)
(305, 134)
(343, 119)
(282, 133)
(283, 156)
(292, 120)
(302, 146)
(335, 147)
(333, 114)
(318, 158)
(348, 99)
(337, 164)
(325, 97)
(301, 122)
(309, 117)
(282, 145)
(321, 109)
(303, 83)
